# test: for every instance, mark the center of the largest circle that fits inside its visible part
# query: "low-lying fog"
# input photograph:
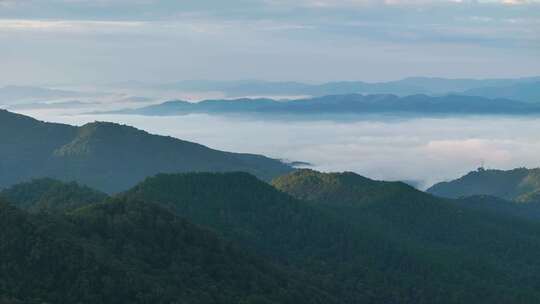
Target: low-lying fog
(421, 151)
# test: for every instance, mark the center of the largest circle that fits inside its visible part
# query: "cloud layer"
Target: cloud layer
(317, 40)
(422, 150)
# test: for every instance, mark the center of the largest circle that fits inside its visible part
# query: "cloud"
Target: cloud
(65, 25)
(274, 39)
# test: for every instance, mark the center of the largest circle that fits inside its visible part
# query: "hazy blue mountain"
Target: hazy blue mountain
(253, 87)
(407, 86)
(351, 103)
(27, 147)
(529, 91)
(435, 85)
(519, 185)
(107, 156)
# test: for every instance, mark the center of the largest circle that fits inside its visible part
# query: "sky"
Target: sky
(47, 42)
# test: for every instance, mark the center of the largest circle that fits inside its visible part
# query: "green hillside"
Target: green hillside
(108, 156)
(132, 252)
(337, 188)
(27, 146)
(402, 246)
(311, 238)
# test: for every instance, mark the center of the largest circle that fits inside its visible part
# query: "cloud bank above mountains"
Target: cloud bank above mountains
(312, 40)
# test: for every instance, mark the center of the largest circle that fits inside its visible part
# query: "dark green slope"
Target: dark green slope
(107, 156)
(517, 184)
(111, 157)
(132, 252)
(403, 246)
(493, 204)
(239, 206)
(489, 251)
(351, 263)
(27, 146)
(51, 195)
(529, 197)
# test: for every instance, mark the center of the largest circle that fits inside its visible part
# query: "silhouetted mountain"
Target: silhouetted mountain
(362, 240)
(521, 91)
(133, 252)
(520, 185)
(407, 86)
(107, 156)
(27, 147)
(437, 85)
(352, 103)
(51, 195)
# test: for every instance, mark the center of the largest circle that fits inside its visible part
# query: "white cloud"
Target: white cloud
(65, 25)
(272, 39)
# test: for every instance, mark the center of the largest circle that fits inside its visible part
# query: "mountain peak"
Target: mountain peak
(344, 187)
(108, 156)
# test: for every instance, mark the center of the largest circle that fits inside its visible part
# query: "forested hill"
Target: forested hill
(520, 185)
(421, 248)
(132, 252)
(361, 241)
(339, 188)
(108, 156)
(27, 146)
(49, 195)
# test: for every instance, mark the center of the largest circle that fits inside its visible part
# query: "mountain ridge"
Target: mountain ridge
(399, 233)
(351, 242)
(109, 156)
(346, 103)
(406, 86)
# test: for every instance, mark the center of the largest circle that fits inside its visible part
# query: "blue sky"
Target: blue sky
(99, 41)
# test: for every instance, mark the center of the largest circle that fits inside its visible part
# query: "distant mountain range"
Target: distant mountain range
(351, 103)
(408, 86)
(527, 91)
(518, 89)
(108, 156)
(231, 238)
(106, 213)
(520, 185)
